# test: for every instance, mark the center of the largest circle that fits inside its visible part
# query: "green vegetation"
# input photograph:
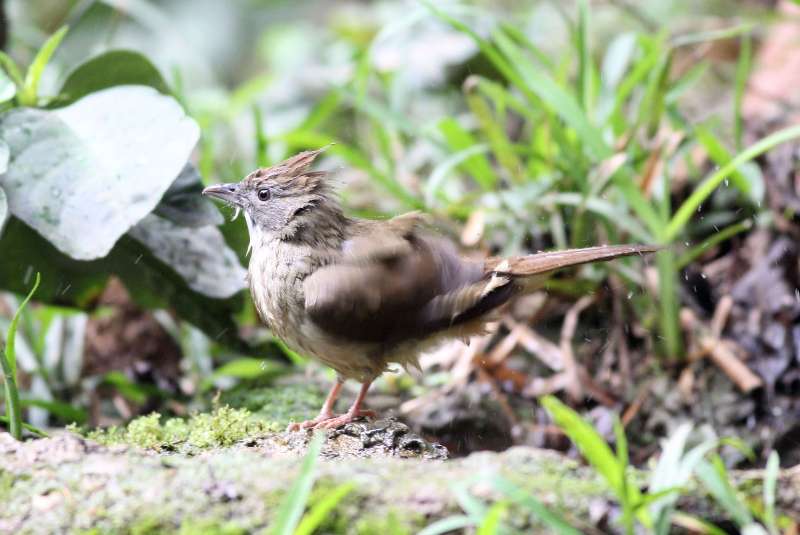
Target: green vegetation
(222, 427)
(8, 363)
(593, 140)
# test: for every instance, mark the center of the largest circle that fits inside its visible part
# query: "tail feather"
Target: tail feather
(539, 263)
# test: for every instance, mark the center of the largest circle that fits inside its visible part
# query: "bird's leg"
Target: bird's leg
(326, 413)
(353, 413)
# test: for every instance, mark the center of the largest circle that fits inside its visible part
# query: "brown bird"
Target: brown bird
(359, 294)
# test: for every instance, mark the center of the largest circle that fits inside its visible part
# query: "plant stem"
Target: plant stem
(668, 299)
(13, 408)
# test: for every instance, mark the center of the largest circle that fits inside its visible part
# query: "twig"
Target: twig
(567, 333)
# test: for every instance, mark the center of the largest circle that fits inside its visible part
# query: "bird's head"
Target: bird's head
(280, 200)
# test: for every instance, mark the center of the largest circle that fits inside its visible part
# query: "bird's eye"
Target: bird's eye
(263, 194)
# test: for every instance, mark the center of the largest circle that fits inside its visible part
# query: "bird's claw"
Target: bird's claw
(331, 421)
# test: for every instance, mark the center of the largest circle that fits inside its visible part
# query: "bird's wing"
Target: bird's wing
(390, 284)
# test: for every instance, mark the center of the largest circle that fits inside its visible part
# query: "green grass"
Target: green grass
(589, 137)
(8, 361)
(647, 498)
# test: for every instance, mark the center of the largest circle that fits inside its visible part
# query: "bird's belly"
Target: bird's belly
(351, 360)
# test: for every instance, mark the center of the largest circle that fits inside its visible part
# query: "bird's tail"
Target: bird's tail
(541, 263)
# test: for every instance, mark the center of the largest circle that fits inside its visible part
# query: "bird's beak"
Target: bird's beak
(226, 192)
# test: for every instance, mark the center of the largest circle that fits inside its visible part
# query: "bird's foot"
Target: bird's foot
(344, 419)
(331, 421)
(308, 424)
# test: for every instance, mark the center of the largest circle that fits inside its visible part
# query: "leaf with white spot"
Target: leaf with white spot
(199, 255)
(83, 175)
(3, 209)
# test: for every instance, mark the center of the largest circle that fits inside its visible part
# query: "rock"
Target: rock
(68, 484)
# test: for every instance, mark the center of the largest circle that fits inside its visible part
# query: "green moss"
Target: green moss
(222, 427)
(6, 484)
(276, 405)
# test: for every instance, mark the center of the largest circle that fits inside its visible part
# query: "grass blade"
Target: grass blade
(668, 301)
(707, 187)
(591, 445)
(562, 102)
(12, 327)
(585, 67)
(30, 88)
(448, 525)
(752, 186)
(11, 68)
(477, 165)
(490, 525)
(291, 509)
(13, 408)
(716, 238)
(548, 517)
(715, 478)
(319, 512)
(770, 487)
(742, 74)
(495, 133)
(8, 362)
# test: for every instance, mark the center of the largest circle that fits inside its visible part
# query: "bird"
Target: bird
(361, 295)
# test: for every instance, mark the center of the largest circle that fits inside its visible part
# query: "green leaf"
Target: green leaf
(436, 181)
(477, 165)
(8, 363)
(184, 205)
(117, 150)
(7, 88)
(244, 368)
(585, 65)
(593, 447)
(560, 101)
(494, 130)
(770, 488)
(287, 517)
(63, 411)
(746, 178)
(112, 68)
(151, 283)
(448, 525)
(10, 67)
(130, 390)
(3, 210)
(639, 203)
(35, 430)
(4, 156)
(742, 74)
(617, 59)
(716, 238)
(715, 478)
(548, 517)
(490, 525)
(30, 88)
(12, 328)
(707, 187)
(320, 511)
(199, 255)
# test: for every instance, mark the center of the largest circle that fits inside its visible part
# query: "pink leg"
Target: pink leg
(326, 413)
(355, 412)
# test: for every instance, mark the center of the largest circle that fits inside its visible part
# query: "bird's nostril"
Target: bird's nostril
(231, 189)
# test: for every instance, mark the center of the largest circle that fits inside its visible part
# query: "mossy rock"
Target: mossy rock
(68, 484)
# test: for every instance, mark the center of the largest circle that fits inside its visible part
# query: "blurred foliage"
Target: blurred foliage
(555, 124)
